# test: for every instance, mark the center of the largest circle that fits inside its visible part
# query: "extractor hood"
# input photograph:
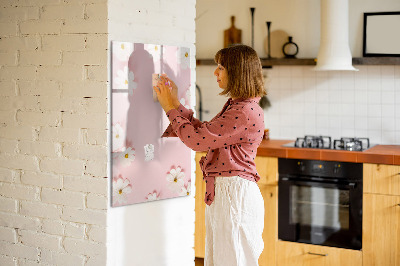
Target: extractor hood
(334, 51)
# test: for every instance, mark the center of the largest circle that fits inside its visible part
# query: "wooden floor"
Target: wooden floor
(199, 262)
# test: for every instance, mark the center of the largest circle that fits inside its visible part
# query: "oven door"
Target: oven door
(320, 212)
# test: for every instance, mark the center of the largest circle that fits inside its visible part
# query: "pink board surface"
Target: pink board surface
(146, 167)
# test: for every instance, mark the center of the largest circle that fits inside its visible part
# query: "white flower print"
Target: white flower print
(125, 158)
(183, 102)
(175, 179)
(184, 57)
(123, 50)
(185, 190)
(121, 188)
(118, 141)
(121, 80)
(153, 196)
(155, 51)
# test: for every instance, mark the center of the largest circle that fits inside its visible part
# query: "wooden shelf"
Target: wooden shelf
(312, 61)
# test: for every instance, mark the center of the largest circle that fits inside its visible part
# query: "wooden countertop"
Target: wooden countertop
(379, 154)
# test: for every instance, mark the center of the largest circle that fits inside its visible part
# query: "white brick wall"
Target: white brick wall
(53, 113)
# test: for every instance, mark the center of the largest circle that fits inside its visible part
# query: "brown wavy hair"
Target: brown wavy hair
(245, 77)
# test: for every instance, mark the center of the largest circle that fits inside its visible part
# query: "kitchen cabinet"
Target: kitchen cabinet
(291, 253)
(381, 179)
(267, 168)
(381, 215)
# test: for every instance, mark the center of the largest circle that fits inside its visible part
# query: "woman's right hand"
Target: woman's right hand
(174, 89)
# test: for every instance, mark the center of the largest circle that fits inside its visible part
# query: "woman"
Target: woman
(235, 208)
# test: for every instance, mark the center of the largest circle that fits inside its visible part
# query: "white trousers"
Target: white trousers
(234, 223)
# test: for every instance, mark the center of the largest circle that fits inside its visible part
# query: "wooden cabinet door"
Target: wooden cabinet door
(381, 230)
(200, 207)
(270, 233)
(297, 254)
(267, 168)
(381, 179)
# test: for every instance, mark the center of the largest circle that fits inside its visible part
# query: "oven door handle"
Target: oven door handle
(297, 181)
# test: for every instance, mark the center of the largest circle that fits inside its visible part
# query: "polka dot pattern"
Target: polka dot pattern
(231, 139)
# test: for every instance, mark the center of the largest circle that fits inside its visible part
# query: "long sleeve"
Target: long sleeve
(186, 113)
(225, 130)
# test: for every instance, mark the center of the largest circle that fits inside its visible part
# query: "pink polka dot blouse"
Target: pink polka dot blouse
(231, 139)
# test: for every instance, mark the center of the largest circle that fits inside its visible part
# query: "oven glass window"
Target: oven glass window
(318, 207)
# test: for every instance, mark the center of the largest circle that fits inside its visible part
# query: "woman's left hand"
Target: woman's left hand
(163, 91)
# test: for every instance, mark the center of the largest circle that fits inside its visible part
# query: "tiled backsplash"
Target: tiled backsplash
(338, 104)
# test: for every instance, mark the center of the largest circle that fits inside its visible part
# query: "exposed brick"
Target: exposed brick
(98, 42)
(19, 250)
(97, 11)
(62, 166)
(62, 12)
(53, 227)
(18, 161)
(39, 118)
(35, 239)
(8, 58)
(86, 184)
(8, 117)
(8, 234)
(19, 43)
(67, 135)
(39, 58)
(19, 221)
(18, 72)
(8, 261)
(85, 152)
(60, 258)
(17, 191)
(96, 136)
(84, 26)
(63, 197)
(26, 262)
(97, 234)
(60, 73)
(85, 89)
(7, 204)
(7, 175)
(84, 247)
(96, 73)
(38, 209)
(98, 169)
(94, 201)
(84, 120)
(40, 27)
(8, 146)
(97, 260)
(18, 13)
(39, 87)
(34, 2)
(75, 230)
(40, 148)
(64, 42)
(88, 57)
(84, 216)
(7, 88)
(25, 103)
(41, 179)
(64, 104)
(16, 132)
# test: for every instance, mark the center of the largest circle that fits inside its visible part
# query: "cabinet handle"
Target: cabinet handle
(318, 254)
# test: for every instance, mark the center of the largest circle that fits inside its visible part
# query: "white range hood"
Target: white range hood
(334, 51)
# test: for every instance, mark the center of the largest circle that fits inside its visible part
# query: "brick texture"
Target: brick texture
(53, 89)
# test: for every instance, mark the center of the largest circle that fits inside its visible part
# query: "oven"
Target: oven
(320, 202)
